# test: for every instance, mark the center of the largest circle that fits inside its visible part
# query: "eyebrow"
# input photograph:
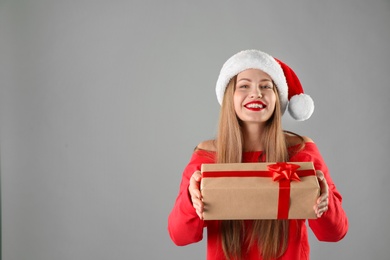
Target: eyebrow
(268, 80)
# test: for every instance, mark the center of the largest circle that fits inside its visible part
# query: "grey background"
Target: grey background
(102, 103)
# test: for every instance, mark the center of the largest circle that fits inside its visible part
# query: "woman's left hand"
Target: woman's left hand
(322, 202)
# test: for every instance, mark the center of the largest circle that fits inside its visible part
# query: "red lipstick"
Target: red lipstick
(255, 105)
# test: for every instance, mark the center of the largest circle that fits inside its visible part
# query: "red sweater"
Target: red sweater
(185, 227)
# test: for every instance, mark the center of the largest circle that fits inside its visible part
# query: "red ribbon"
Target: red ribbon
(282, 172)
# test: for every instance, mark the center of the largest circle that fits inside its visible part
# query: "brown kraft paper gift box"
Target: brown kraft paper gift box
(259, 191)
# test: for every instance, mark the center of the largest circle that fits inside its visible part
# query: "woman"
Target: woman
(254, 90)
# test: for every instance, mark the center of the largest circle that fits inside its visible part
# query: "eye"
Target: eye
(268, 86)
(243, 86)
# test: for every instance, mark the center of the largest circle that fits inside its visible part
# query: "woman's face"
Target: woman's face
(254, 96)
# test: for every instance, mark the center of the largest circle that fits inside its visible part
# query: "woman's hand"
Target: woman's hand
(195, 195)
(322, 202)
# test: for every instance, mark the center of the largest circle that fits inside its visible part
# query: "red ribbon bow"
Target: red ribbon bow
(284, 171)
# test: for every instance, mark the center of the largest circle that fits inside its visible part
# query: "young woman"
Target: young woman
(254, 89)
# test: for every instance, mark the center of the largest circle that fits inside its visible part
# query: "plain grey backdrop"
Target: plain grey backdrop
(102, 103)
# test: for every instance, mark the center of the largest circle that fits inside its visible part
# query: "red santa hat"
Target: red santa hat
(291, 95)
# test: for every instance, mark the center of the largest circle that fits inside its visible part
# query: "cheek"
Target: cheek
(237, 101)
(272, 101)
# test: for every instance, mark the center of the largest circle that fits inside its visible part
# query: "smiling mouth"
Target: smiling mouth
(255, 105)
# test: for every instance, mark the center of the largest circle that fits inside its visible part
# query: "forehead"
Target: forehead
(253, 73)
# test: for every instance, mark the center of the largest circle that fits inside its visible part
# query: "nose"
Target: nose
(256, 93)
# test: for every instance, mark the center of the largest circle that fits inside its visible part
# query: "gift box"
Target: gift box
(259, 191)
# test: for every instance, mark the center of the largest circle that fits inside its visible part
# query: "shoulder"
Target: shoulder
(307, 139)
(294, 139)
(302, 149)
(208, 145)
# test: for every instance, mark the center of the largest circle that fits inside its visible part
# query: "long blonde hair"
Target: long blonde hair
(271, 235)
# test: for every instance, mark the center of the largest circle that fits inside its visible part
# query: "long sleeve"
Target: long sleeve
(184, 225)
(332, 226)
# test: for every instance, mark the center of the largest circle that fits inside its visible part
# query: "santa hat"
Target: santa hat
(300, 105)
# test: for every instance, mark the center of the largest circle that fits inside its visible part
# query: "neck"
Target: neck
(252, 134)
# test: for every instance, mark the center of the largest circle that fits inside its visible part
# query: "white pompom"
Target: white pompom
(301, 107)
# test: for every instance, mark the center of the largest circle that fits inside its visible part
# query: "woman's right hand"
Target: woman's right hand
(195, 195)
